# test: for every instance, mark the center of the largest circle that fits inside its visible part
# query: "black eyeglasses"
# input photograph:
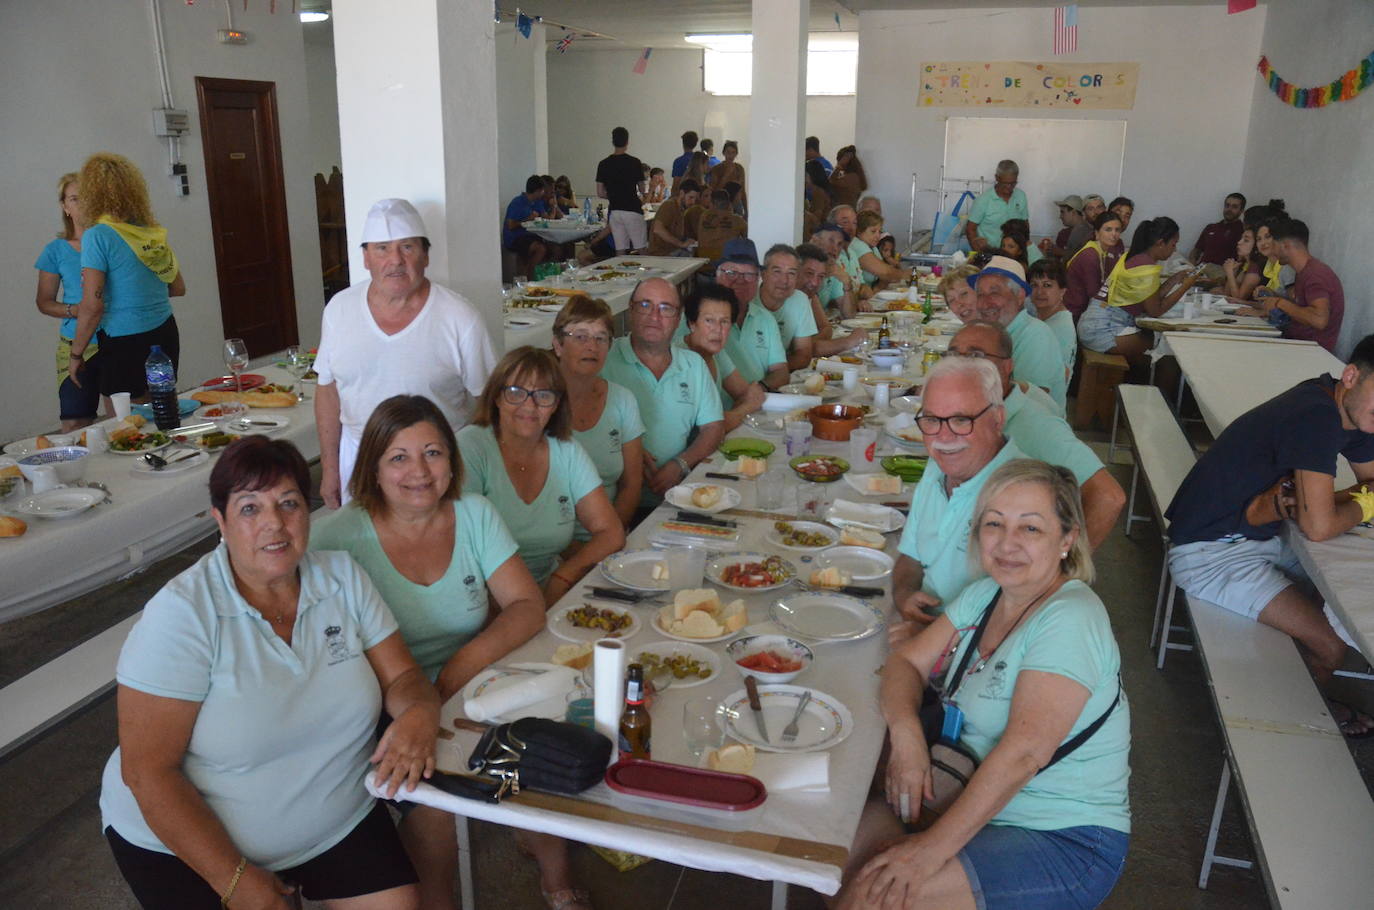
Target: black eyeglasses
(736, 273)
(976, 354)
(544, 398)
(959, 424)
(662, 309)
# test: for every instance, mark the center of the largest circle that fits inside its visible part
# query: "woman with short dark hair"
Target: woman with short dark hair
(709, 312)
(848, 180)
(1047, 283)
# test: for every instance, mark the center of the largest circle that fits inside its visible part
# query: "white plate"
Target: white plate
(811, 527)
(145, 448)
(23, 447)
(176, 467)
(251, 424)
(559, 624)
(64, 502)
(824, 722)
(862, 563)
(550, 307)
(659, 628)
(681, 496)
(716, 566)
(862, 322)
(826, 617)
(634, 569)
(494, 679)
(905, 421)
(846, 513)
(906, 404)
(856, 482)
(831, 391)
(890, 295)
(696, 652)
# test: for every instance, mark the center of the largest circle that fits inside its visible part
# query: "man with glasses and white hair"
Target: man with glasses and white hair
(961, 422)
(755, 341)
(672, 385)
(1001, 287)
(396, 333)
(999, 203)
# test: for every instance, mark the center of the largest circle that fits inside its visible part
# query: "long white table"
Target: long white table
(151, 516)
(800, 838)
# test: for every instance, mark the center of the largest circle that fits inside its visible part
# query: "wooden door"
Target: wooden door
(246, 188)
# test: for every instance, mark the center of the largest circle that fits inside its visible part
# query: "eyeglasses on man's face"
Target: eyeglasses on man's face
(975, 354)
(600, 339)
(516, 395)
(730, 274)
(959, 424)
(650, 307)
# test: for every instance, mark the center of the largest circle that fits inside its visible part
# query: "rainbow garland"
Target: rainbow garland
(1343, 89)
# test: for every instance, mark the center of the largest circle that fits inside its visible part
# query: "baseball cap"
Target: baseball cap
(741, 249)
(1072, 201)
(1003, 265)
(392, 219)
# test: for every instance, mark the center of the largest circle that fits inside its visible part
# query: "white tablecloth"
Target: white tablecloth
(151, 517)
(564, 230)
(844, 670)
(1339, 567)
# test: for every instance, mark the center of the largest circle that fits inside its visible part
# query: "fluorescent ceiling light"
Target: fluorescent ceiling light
(744, 43)
(726, 43)
(314, 16)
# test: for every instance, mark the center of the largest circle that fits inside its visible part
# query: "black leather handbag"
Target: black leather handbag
(534, 752)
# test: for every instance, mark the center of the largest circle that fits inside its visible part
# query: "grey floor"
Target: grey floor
(52, 854)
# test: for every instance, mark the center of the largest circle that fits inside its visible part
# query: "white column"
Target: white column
(417, 119)
(522, 119)
(777, 121)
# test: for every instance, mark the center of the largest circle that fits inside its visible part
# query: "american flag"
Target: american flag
(563, 42)
(643, 62)
(1066, 29)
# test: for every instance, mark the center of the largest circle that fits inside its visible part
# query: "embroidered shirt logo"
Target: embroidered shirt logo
(335, 644)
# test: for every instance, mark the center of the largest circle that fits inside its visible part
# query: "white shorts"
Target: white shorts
(1240, 574)
(629, 230)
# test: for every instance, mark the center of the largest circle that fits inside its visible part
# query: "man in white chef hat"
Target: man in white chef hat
(397, 333)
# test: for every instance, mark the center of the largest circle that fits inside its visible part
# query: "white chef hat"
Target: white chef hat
(392, 219)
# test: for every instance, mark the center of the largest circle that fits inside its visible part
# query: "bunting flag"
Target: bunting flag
(563, 42)
(642, 63)
(1066, 29)
(837, 22)
(523, 23)
(1239, 6)
(1350, 84)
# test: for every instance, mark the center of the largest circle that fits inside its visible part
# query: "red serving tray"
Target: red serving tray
(226, 383)
(699, 787)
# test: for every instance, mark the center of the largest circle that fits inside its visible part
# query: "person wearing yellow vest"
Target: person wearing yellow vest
(1134, 288)
(1089, 267)
(128, 274)
(1262, 268)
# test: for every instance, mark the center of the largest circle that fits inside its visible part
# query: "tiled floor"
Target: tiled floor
(52, 854)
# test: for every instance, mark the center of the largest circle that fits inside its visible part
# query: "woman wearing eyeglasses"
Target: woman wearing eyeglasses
(520, 454)
(605, 416)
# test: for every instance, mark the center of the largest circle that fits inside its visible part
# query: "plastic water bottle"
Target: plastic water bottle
(162, 389)
(587, 209)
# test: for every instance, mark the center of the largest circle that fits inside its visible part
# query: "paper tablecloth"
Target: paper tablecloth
(1340, 568)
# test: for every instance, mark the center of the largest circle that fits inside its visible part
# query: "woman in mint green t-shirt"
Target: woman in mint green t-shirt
(1045, 818)
(436, 557)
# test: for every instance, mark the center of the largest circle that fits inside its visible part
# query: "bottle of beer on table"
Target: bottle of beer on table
(635, 723)
(884, 336)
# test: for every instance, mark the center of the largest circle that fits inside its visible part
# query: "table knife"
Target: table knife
(751, 686)
(628, 597)
(718, 476)
(703, 519)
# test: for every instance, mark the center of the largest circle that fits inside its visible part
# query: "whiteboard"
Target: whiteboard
(1057, 158)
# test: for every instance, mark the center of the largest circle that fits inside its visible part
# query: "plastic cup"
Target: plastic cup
(686, 566)
(797, 437)
(851, 378)
(581, 708)
(768, 490)
(121, 404)
(813, 501)
(863, 446)
(44, 478)
(882, 394)
(97, 440)
(700, 730)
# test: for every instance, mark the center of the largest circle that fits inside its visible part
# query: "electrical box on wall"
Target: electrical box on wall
(171, 122)
(232, 36)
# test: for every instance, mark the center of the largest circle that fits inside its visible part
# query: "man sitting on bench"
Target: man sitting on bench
(1274, 462)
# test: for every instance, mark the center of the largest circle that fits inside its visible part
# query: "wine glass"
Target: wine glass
(700, 728)
(236, 359)
(298, 364)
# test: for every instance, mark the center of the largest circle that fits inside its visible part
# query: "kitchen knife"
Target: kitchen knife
(751, 686)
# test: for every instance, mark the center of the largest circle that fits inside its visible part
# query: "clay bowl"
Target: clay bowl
(834, 421)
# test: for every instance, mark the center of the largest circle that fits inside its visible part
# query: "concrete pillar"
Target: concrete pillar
(417, 119)
(777, 121)
(522, 109)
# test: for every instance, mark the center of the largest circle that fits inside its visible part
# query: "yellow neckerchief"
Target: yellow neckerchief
(1090, 245)
(149, 245)
(1127, 287)
(1271, 270)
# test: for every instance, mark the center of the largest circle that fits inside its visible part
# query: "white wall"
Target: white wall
(78, 78)
(1185, 139)
(521, 115)
(321, 87)
(1319, 160)
(591, 92)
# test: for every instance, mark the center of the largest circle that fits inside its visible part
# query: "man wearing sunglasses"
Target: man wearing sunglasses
(961, 424)
(672, 385)
(1034, 424)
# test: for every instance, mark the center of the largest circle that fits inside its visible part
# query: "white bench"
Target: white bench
(1164, 454)
(1310, 815)
(33, 703)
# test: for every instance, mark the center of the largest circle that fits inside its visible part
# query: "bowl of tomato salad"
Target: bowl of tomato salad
(770, 658)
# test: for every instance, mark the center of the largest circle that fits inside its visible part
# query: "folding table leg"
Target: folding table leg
(779, 896)
(1209, 855)
(1116, 422)
(465, 892)
(1130, 500)
(1159, 598)
(1168, 624)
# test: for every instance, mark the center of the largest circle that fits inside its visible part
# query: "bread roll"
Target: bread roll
(693, 600)
(862, 537)
(752, 467)
(578, 656)
(883, 483)
(12, 527)
(706, 496)
(43, 442)
(698, 624)
(9, 470)
(830, 577)
(736, 758)
(734, 616)
(814, 384)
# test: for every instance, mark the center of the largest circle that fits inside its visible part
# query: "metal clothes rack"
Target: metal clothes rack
(947, 185)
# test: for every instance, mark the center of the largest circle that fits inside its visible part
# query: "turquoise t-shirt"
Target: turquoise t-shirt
(280, 747)
(542, 528)
(58, 258)
(135, 298)
(1042, 434)
(682, 400)
(757, 344)
(1033, 254)
(990, 211)
(858, 250)
(435, 620)
(1061, 323)
(794, 317)
(849, 260)
(937, 530)
(1070, 635)
(831, 289)
(1036, 356)
(619, 424)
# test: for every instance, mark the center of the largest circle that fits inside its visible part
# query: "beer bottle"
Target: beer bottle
(884, 336)
(635, 723)
(928, 309)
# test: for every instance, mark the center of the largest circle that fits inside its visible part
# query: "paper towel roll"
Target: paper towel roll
(609, 658)
(528, 691)
(779, 401)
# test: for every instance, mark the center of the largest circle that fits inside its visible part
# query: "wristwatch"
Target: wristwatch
(682, 463)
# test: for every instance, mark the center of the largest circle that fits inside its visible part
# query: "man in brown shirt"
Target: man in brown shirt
(668, 235)
(715, 226)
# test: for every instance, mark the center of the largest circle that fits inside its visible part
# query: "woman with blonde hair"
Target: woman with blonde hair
(959, 295)
(1033, 687)
(128, 274)
(58, 296)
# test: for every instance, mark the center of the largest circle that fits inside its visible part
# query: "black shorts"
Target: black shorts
(370, 859)
(121, 357)
(521, 245)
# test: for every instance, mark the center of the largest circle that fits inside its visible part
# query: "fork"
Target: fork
(789, 732)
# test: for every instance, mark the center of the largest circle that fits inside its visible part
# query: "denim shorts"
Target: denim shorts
(1239, 574)
(1100, 324)
(1013, 868)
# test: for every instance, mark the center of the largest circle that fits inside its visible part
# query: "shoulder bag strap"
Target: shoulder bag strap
(1086, 733)
(957, 678)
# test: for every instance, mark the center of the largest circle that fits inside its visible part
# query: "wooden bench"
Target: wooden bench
(1100, 376)
(1165, 456)
(1310, 815)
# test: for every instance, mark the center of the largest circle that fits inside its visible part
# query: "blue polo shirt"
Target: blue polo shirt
(990, 211)
(671, 407)
(521, 209)
(680, 164)
(1037, 356)
(281, 742)
(937, 530)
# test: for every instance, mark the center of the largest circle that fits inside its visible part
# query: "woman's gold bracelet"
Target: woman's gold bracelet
(234, 882)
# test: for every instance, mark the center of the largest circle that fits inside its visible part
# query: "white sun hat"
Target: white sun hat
(392, 219)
